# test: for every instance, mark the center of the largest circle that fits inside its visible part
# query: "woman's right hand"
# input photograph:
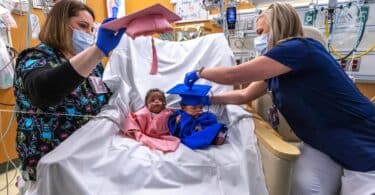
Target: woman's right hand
(108, 39)
(191, 78)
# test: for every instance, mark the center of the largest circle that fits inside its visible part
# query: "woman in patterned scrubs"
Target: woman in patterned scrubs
(58, 83)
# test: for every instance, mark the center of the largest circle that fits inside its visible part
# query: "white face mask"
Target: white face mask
(261, 44)
(81, 40)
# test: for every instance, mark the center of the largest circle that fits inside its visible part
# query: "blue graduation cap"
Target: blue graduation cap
(196, 95)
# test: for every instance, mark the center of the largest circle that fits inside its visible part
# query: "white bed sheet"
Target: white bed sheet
(97, 160)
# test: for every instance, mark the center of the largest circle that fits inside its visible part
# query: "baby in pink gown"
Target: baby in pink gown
(149, 124)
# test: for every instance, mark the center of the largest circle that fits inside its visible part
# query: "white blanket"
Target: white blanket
(97, 160)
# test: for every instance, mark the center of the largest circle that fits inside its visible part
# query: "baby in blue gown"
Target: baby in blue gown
(196, 129)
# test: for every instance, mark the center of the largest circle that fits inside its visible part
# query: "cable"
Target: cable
(334, 51)
(12, 51)
(28, 29)
(6, 104)
(13, 54)
(46, 113)
(2, 137)
(350, 71)
(7, 64)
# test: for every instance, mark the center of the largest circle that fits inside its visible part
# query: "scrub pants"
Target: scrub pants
(315, 173)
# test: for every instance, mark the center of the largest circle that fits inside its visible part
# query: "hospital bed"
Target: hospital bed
(97, 159)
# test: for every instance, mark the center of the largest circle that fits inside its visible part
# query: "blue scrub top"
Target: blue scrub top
(322, 105)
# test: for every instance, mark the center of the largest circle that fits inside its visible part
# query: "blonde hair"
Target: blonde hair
(314, 33)
(283, 21)
(56, 32)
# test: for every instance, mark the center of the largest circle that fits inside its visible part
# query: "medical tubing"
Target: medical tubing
(331, 14)
(354, 48)
(333, 29)
(60, 114)
(359, 39)
(223, 18)
(28, 32)
(8, 63)
(46, 113)
(6, 104)
(336, 53)
(2, 136)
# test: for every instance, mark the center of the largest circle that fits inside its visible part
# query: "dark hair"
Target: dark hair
(56, 32)
(149, 92)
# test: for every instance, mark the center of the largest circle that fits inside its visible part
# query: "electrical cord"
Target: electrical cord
(2, 135)
(12, 51)
(13, 54)
(2, 138)
(336, 53)
(6, 104)
(333, 50)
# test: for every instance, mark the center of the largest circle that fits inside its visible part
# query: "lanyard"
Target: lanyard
(272, 112)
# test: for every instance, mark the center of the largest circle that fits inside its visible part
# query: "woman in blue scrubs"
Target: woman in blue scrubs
(320, 102)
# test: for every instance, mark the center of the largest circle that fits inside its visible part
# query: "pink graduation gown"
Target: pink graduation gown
(151, 130)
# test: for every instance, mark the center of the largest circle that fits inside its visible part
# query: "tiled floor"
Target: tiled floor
(11, 186)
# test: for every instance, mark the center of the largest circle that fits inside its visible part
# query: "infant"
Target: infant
(196, 129)
(149, 124)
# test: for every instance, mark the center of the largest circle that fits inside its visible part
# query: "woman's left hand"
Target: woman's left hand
(108, 39)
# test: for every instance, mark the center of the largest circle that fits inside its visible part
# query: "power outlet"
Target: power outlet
(351, 65)
(355, 64)
(343, 64)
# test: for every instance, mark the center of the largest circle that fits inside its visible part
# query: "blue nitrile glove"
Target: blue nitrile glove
(108, 39)
(114, 11)
(190, 78)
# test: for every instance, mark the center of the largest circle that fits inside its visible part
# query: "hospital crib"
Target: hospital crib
(278, 148)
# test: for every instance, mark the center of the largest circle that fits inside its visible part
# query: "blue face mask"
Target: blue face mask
(81, 40)
(261, 44)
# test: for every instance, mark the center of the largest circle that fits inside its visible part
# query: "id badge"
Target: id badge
(97, 85)
(273, 117)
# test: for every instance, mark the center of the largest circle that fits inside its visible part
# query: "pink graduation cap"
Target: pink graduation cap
(196, 95)
(154, 19)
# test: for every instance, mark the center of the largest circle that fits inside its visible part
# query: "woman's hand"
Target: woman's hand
(191, 78)
(108, 39)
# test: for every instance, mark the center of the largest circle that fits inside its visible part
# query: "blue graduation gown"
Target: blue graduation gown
(187, 132)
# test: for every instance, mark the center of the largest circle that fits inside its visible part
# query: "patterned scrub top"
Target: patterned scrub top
(41, 130)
